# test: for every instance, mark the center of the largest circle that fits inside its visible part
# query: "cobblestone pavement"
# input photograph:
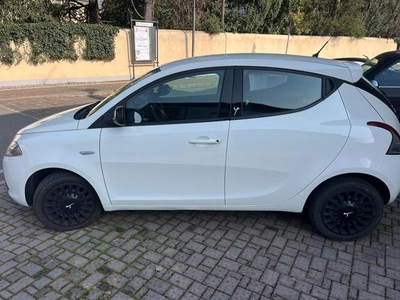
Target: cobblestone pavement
(194, 255)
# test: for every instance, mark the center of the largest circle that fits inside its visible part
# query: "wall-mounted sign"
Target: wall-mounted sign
(144, 42)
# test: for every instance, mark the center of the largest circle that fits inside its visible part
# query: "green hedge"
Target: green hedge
(53, 41)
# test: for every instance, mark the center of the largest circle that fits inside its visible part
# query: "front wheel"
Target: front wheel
(346, 209)
(64, 201)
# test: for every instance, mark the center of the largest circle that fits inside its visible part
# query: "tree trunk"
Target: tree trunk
(223, 15)
(93, 12)
(149, 10)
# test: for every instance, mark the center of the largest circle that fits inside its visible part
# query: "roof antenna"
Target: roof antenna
(316, 54)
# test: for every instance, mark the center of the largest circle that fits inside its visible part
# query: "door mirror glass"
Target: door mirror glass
(137, 118)
(164, 89)
(119, 116)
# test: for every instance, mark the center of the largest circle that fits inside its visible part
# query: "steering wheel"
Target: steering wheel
(158, 111)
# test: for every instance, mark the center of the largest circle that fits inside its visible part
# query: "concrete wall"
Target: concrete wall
(174, 45)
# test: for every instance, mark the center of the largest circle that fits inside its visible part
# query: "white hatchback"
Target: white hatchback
(224, 132)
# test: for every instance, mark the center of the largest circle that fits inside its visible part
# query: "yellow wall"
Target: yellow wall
(174, 45)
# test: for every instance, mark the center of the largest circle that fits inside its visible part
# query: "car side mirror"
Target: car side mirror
(119, 116)
(375, 83)
(164, 89)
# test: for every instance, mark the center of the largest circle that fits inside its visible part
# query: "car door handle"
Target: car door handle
(205, 142)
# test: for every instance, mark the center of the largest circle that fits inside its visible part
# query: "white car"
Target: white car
(225, 132)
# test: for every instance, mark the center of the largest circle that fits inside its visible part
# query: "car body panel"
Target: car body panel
(382, 109)
(269, 159)
(57, 122)
(154, 165)
(61, 153)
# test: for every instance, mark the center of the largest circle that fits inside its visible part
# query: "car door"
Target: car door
(172, 150)
(286, 129)
(389, 81)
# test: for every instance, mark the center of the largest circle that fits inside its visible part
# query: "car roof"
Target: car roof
(388, 54)
(347, 71)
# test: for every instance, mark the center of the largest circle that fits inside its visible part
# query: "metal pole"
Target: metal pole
(223, 15)
(287, 42)
(194, 27)
(288, 36)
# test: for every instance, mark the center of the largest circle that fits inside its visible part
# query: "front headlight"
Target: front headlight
(13, 150)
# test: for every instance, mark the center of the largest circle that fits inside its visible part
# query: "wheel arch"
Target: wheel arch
(34, 180)
(376, 182)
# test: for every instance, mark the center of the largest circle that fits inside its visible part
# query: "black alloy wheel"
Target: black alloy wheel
(348, 213)
(346, 209)
(63, 201)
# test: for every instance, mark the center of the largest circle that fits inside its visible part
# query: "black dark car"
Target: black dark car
(384, 71)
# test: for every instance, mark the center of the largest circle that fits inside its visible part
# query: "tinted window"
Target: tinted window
(390, 76)
(267, 91)
(120, 90)
(369, 64)
(189, 97)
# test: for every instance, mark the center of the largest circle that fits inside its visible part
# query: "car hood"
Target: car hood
(58, 122)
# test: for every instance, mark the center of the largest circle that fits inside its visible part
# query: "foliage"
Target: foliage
(55, 41)
(28, 11)
(356, 18)
(382, 18)
(117, 13)
(261, 16)
(163, 13)
(329, 17)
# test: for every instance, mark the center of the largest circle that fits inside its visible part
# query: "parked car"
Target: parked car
(384, 71)
(250, 132)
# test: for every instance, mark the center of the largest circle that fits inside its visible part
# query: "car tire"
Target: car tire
(64, 201)
(346, 209)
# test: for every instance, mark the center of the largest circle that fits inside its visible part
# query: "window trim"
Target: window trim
(238, 93)
(105, 121)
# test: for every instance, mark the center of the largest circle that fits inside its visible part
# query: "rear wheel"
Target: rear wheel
(346, 209)
(64, 201)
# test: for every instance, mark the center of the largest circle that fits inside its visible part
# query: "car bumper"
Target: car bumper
(15, 179)
(389, 170)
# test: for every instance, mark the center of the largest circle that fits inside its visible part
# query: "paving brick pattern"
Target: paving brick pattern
(194, 255)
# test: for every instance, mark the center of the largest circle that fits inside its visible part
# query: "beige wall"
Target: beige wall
(174, 45)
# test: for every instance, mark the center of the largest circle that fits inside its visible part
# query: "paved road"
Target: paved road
(181, 255)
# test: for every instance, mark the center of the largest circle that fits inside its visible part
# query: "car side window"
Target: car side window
(268, 91)
(187, 97)
(390, 76)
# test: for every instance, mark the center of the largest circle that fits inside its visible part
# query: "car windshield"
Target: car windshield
(120, 90)
(369, 64)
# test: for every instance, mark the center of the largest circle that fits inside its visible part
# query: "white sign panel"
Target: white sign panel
(144, 24)
(142, 43)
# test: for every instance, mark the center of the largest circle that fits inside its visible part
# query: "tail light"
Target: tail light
(394, 148)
